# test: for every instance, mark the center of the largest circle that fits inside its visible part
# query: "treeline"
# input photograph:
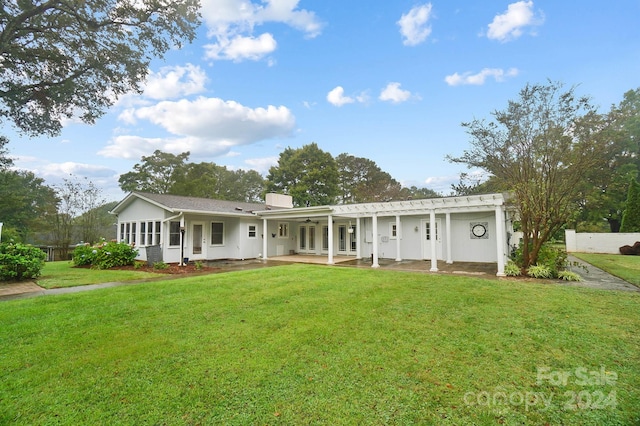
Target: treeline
(311, 176)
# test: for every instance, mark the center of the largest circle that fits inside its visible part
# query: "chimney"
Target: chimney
(279, 200)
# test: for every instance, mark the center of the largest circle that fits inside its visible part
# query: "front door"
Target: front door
(427, 235)
(197, 240)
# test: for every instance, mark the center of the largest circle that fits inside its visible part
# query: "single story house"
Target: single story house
(475, 228)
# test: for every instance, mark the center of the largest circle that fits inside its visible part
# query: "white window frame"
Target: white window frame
(212, 239)
(252, 228)
(283, 229)
(174, 233)
(393, 231)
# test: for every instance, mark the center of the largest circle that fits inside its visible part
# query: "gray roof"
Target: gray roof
(178, 203)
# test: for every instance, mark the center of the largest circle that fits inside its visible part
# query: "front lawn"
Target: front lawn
(625, 267)
(64, 274)
(307, 344)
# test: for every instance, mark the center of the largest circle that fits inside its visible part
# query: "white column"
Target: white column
(434, 236)
(500, 243)
(374, 219)
(358, 251)
(265, 238)
(448, 236)
(330, 232)
(398, 233)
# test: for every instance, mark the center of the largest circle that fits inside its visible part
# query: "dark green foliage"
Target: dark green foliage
(105, 256)
(308, 174)
(20, 261)
(74, 59)
(550, 257)
(631, 216)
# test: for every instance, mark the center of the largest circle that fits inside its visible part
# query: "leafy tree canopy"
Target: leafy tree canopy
(541, 147)
(165, 173)
(631, 217)
(308, 174)
(61, 58)
(26, 205)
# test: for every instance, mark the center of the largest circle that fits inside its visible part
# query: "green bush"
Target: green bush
(20, 261)
(84, 255)
(160, 265)
(511, 269)
(569, 276)
(552, 257)
(105, 255)
(540, 271)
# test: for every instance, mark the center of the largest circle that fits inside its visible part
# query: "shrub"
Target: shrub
(552, 257)
(20, 261)
(540, 271)
(160, 265)
(105, 255)
(569, 276)
(84, 255)
(511, 269)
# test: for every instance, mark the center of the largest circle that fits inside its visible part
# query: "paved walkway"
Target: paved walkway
(597, 278)
(592, 277)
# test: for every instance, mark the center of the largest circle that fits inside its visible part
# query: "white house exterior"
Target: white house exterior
(452, 229)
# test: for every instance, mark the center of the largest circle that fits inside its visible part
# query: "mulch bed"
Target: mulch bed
(172, 268)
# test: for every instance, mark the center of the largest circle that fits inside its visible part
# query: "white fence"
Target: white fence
(589, 242)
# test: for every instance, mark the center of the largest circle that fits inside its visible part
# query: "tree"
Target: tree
(26, 204)
(155, 174)
(5, 160)
(64, 57)
(540, 147)
(416, 193)
(631, 216)
(605, 189)
(362, 181)
(308, 174)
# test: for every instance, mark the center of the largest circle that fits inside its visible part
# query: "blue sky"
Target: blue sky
(386, 80)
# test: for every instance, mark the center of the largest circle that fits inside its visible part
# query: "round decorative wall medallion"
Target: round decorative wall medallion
(479, 230)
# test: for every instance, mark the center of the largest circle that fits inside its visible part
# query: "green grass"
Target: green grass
(305, 344)
(63, 274)
(625, 267)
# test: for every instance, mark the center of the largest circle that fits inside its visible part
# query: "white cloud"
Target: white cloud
(413, 25)
(337, 98)
(240, 48)
(468, 78)
(204, 126)
(48, 170)
(510, 24)
(393, 93)
(262, 165)
(231, 23)
(175, 81)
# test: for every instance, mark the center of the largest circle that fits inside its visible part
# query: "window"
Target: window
(325, 238)
(393, 231)
(174, 233)
(156, 239)
(133, 233)
(427, 227)
(143, 233)
(303, 238)
(217, 233)
(150, 234)
(283, 230)
(312, 238)
(122, 232)
(127, 233)
(253, 231)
